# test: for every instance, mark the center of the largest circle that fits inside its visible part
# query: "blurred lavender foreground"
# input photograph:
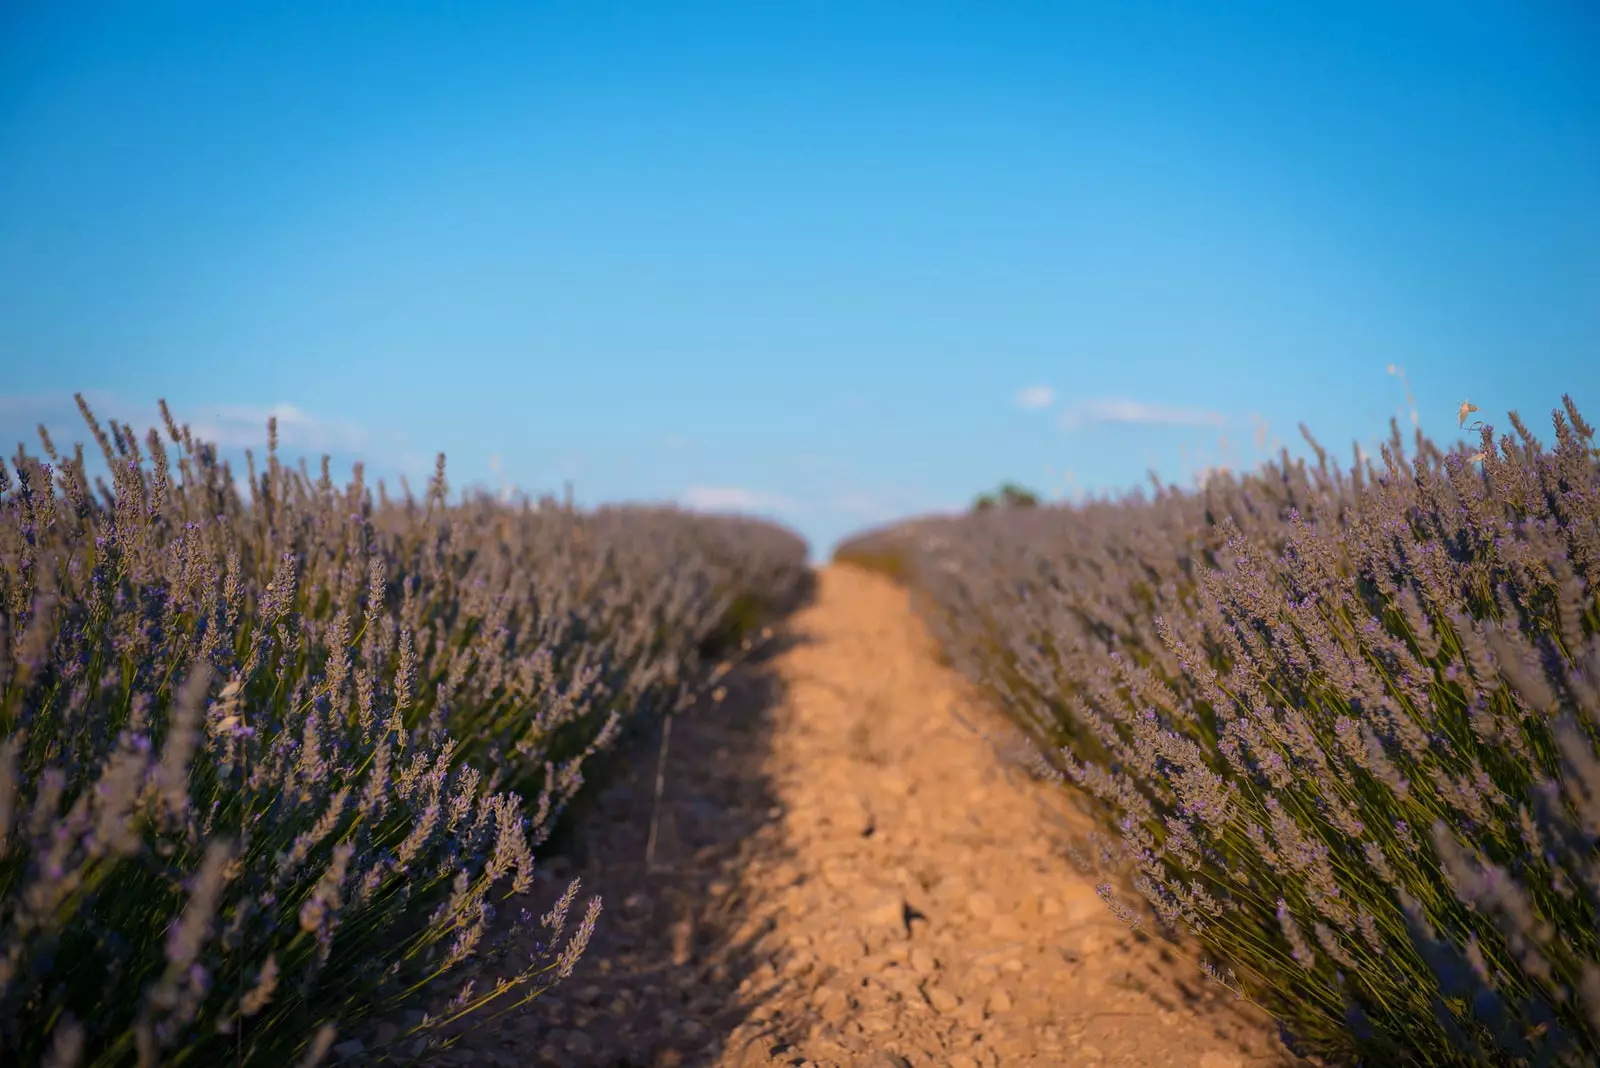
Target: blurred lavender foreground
(266, 766)
(1343, 723)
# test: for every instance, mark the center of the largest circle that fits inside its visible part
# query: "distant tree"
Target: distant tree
(1009, 495)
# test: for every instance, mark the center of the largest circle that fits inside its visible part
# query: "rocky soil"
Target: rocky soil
(850, 870)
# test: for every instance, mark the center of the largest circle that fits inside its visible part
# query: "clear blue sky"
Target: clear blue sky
(828, 261)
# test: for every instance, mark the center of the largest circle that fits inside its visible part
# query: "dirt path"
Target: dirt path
(855, 878)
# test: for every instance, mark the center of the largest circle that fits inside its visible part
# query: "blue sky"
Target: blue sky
(834, 263)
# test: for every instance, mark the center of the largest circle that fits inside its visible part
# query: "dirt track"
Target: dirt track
(853, 877)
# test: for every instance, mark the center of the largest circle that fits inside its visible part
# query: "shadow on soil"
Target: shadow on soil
(659, 984)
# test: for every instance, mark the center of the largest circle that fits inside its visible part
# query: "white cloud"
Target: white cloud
(1035, 397)
(863, 505)
(60, 408)
(228, 426)
(243, 426)
(734, 499)
(1202, 478)
(503, 488)
(1121, 410)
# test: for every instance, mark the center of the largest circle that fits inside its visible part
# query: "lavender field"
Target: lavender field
(702, 535)
(277, 752)
(271, 758)
(1339, 725)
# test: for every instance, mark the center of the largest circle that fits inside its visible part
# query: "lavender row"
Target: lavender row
(1341, 725)
(272, 749)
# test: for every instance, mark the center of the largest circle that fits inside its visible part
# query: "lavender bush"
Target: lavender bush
(1343, 722)
(268, 757)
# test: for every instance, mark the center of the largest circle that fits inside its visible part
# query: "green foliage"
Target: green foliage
(1009, 495)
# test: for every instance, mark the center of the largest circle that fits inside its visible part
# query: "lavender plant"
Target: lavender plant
(1343, 722)
(268, 760)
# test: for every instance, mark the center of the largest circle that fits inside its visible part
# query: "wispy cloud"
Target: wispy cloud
(861, 505)
(1033, 398)
(1120, 410)
(53, 408)
(228, 426)
(242, 426)
(734, 499)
